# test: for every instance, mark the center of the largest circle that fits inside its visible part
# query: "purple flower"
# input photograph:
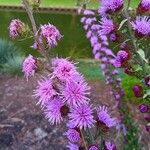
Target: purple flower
(44, 91)
(137, 90)
(109, 6)
(141, 26)
(53, 111)
(73, 135)
(117, 62)
(107, 26)
(88, 12)
(93, 40)
(109, 146)
(29, 66)
(72, 146)
(113, 37)
(89, 21)
(95, 27)
(75, 93)
(15, 28)
(93, 147)
(64, 69)
(105, 118)
(51, 34)
(143, 108)
(96, 48)
(144, 6)
(122, 56)
(82, 117)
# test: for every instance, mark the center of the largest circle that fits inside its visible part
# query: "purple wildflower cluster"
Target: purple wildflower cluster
(16, 28)
(67, 95)
(97, 34)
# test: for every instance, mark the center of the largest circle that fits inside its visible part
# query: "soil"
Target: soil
(22, 123)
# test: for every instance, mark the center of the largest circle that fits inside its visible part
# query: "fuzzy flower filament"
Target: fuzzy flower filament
(44, 91)
(82, 117)
(51, 34)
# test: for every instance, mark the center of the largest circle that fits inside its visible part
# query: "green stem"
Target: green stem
(83, 140)
(90, 135)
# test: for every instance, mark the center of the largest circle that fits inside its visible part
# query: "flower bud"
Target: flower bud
(138, 91)
(143, 108)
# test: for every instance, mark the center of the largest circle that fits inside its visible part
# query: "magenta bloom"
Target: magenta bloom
(75, 93)
(29, 66)
(15, 28)
(53, 111)
(109, 146)
(141, 26)
(107, 26)
(82, 117)
(44, 91)
(143, 108)
(51, 34)
(144, 5)
(105, 118)
(110, 6)
(64, 69)
(137, 90)
(93, 147)
(73, 135)
(72, 146)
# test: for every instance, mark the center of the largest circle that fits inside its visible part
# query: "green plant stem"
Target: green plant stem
(129, 1)
(90, 135)
(29, 11)
(83, 140)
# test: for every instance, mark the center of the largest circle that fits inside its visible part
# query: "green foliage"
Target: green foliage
(90, 69)
(131, 138)
(127, 83)
(10, 58)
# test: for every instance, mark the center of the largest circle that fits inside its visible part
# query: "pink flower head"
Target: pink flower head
(110, 6)
(53, 111)
(82, 117)
(51, 34)
(44, 91)
(107, 26)
(93, 147)
(144, 6)
(64, 69)
(105, 118)
(109, 146)
(75, 93)
(141, 26)
(72, 146)
(15, 28)
(29, 66)
(73, 135)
